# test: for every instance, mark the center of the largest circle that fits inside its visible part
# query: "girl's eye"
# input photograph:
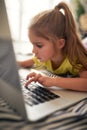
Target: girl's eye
(39, 45)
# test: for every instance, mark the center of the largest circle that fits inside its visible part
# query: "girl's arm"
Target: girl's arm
(78, 84)
(26, 63)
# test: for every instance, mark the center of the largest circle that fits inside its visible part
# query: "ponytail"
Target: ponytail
(73, 47)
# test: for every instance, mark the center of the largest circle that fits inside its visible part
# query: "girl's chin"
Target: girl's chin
(42, 60)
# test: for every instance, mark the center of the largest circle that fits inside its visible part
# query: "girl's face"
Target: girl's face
(42, 48)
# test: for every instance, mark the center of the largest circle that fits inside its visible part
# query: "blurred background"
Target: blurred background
(20, 13)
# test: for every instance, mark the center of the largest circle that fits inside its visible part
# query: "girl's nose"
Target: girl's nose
(34, 50)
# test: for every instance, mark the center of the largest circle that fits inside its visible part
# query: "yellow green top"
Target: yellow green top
(64, 69)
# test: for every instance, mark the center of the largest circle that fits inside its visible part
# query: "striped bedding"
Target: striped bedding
(72, 118)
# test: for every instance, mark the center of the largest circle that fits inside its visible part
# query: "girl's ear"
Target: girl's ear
(61, 43)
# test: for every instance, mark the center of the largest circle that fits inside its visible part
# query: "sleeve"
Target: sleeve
(37, 63)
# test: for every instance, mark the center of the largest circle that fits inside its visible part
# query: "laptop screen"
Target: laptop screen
(8, 66)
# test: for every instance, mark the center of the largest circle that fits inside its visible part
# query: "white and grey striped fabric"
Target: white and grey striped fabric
(72, 118)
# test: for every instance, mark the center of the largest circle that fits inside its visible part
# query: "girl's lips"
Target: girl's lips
(38, 57)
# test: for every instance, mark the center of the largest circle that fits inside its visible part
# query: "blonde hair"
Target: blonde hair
(53, 24)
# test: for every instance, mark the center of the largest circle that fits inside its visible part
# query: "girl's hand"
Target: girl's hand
(44, 80)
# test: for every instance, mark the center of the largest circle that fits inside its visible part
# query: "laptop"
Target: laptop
(20, 98)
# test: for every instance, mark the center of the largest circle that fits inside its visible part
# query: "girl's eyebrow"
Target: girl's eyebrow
(36, 43)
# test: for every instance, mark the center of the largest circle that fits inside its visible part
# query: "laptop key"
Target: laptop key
(35, 94)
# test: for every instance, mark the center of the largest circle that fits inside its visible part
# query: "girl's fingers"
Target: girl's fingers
(29, 81)
(32, 77)
(35, 75)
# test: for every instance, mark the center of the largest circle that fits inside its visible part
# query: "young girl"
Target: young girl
(58, 48)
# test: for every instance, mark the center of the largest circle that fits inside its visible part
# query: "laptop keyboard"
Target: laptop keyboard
(35, 94)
